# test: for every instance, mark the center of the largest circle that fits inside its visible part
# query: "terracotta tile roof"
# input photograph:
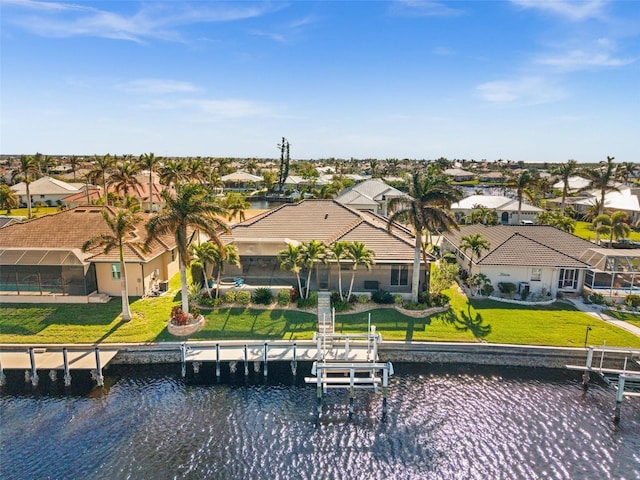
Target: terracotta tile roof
(71, 228)
(327, 221)
(530, 245)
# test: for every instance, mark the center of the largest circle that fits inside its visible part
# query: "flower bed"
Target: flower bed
(182, 324)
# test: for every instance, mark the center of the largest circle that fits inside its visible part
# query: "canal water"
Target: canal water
(453, 422)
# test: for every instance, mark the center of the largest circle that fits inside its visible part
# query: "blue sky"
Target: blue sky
(528, 80)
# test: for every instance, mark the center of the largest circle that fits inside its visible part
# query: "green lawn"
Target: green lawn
(633, 319)
(585, 230)
(35, 211)
(559, 324)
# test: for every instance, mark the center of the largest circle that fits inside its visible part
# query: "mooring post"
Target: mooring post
(217, 360)
(619, 398)
(318, 374)
(369, 339)
(586, 376)
(319, 347)
(266, 355)
(34, 372)
(67, 373)
(376, 338)
(294, 362)
(2, 377)
(183, 359)
(385, 384)
(246, 361)
(352, 390)
(99, 377)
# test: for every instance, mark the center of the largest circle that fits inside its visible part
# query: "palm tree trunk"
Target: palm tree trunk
(206, 281)
(126, 312)
(184, 289)
(151, 194)
(218, 282)
(26, 183)
(353, 276)
(340, 281)
(415, 277)
(309, 281)
(600, 212)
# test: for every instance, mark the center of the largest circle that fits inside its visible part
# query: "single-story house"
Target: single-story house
(459, 175)
(545, 260)
(260, 238)
(242, 182)
(41, 260)
(46, 190)
(371, 195)
(506, 208)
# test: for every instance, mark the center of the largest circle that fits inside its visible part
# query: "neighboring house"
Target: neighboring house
(459, 175)
(41, 260)
(624, 200)
(546, 260)
(242, 182)
(46, 190)
(371, 195)
(574, 184)
(507, 208)
(6, 221)
(260, 238)
(492, 176)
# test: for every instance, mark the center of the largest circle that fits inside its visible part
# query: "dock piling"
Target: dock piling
(246, 361)
(183, 359)
(218, 360)
(99, 377)
(3, 379)
(619, 397)
(294, 362)
(265, 357)
(67, 373)
(34, 373)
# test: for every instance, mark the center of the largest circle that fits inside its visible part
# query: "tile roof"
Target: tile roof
(327, 221)
(497, 202)
(47, 186)
(530, 245)
(71, 228)
(374, 189)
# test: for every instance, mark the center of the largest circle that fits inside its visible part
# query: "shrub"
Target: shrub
(397, 299)
(632, 301)
(382, 297)
(597, 298)
(194, 311)
(178, 316)
(312, 301)
(208, 302)
(507, 287)
(487, 289)
(263, 296)
(363, 298)
(284, 297)
(229, 296)
(342, 306)
(243, 297)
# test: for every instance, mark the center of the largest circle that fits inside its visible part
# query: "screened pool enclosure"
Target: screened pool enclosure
(615, 271)
(45, 272)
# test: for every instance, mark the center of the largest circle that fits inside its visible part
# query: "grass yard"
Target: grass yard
(35, 211)
(633, 319)
(585, 230)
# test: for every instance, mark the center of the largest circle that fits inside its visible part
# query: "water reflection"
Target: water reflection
(453, 422)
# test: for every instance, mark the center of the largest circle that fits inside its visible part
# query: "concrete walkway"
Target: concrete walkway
(325, 322)
(596, 312)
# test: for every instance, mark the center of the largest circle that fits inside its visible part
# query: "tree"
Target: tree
(476, 243)
(339, 251)
(122, 225)
(360, 255)
(522, 183)
(484, 215)
(28, 170)
(208, 253)
(626, 171)
(150, 162)
(102, 164)
(565, 171)
(601, 179)
(291, 259)
(556, 219)
(427, 210)
(189, 209)
(614, 225)
(124, 177)
(312, 252)
(196, 170)
(74, 161)
(8, 199)
(173, 172)
(236, 205)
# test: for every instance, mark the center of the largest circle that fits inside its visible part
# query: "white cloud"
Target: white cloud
(574, 10)
(601, 54)
(526, 90)
(424, 8)
(158, 86)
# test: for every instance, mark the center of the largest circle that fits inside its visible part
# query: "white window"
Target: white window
(399, 275)
(536, 274)
(115, 271)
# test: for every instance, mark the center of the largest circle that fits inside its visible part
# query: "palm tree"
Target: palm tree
(196, 170)
(626, 171)
(564, 171)
(208, 253)
(522, 184)
(74, 161)
(312, 252)
(124, 177)
(236, 205)
(27, 170)
(614, 225)
(427, 210)
(339, 251)
(172, 172)
(291, 259)
(150, 162)
(476, 243)
(102, 164)
(557, 219)
(8, 199)
(601, 179)
(484, 215)
(189, 209)
(122, 226)
(360, 255)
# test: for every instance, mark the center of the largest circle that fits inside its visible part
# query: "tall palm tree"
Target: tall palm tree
(291, 259)
(74, 161)
(626, 171)
(522, 184)
(8, 199)
(208, 253)
(360, 255)
(236, 205)
(601, 179)
(101, 165)
(565, 171)
(28, 170)
(427, 210)
(122, 225)
(339, 251)
(312, 252)
(150, 162)
(173, 172)
(196, 170)
(124, 177)
(191, 208)
(477, 244)
(615, 225)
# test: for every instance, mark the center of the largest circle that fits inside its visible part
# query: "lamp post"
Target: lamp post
(586, 336)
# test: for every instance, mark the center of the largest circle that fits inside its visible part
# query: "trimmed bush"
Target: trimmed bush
(229, 296)
(243, 297)
(284, 297)
(382, 297)
(342, 306)
(312, 301)
(263, 296)
(633, 301)
(507, 287)
(397, 299)
(363, 299)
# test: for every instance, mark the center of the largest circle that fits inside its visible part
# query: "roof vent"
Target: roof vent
(326, 215)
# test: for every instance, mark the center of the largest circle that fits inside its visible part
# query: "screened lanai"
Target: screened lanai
(613, 271)
(45, 271)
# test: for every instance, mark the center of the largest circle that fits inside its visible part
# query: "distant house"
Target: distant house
(46, 190)
(459, 175)
(545, 260)
(242, 182)
(41, 260)
(506, 208)
(492, 176)
(371, 195)
(260, 238)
